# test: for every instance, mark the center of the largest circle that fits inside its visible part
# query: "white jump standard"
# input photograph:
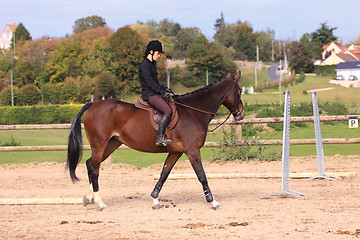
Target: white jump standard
(286, 154)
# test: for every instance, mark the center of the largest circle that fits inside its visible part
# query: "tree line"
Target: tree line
(100, 62)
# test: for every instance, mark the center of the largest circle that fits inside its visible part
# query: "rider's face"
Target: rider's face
(156, 55)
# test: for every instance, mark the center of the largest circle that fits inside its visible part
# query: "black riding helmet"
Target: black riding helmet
(154, 45)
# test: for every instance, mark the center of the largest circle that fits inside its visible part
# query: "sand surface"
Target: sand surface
(330, 209)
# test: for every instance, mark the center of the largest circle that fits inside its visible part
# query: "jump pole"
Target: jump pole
(286, 154)
(319, 143)
(40, 201)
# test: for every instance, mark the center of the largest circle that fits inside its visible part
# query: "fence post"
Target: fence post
(319, 143)
(286, 154)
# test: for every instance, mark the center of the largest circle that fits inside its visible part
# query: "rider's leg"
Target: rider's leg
(160, 104)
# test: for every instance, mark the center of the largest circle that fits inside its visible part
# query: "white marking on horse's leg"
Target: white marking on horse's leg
(156, 204)
(215, 204)
(97, 200)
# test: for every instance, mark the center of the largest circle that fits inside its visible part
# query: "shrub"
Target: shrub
(229, 150)
(106, 84)
(185, 77)
(29, 95)
(335, 108)
(272, 111)
(11, 143)
(46, 114)
(300, 78)
(51, 93)
(5, 96)
(70, 90)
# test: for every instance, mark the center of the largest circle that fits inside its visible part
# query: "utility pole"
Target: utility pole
(272, 51)
(168, 78)
(286, 71)
(11, 81)
(280, 81)
(207, 77)
(257, 62)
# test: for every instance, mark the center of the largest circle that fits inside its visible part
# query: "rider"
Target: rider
(153, 92)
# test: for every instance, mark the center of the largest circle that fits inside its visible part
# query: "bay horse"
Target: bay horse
(111, 123)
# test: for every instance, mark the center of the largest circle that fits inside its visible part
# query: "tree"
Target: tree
(264, 41)
(106, 87)
(127, 50)
(5, 96)
(317, 39)
(29, 94)
(87, 86)
(225, 34)
(51, 93)
(36, 52)
(183, 39)
(98, 59)
(169, 28)
(83, 24)
(24, 73)
(65, 62)
(21, 34)
(300, 58)
(245, 41)
(207, 56)
(70, 90)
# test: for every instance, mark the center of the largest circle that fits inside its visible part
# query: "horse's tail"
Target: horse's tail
(75, 146)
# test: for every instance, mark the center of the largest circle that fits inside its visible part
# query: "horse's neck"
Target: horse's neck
(208, 99)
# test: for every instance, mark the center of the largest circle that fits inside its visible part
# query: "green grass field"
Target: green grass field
(59, 137)
(349, 96)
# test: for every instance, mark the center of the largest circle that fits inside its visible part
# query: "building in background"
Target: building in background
(6, 36)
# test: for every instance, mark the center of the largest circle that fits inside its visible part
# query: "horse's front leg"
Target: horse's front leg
(168, 165)
(195, 160)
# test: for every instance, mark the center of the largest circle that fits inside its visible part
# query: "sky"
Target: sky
(290, 19)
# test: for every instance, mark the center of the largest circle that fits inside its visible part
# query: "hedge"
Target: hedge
(39, 114)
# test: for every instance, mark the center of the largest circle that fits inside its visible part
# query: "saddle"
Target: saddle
(156, 115)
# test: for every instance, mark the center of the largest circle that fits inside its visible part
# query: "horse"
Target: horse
(110, 123)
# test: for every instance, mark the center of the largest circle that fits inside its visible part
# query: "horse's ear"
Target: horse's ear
(228, 75)
(237, 76)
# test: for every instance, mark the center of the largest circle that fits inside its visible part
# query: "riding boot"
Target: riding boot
(161, 140)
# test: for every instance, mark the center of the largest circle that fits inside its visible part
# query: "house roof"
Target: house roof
(347, 57)
(339, 45)
(12, 26)
(355, 53)
(348, 65)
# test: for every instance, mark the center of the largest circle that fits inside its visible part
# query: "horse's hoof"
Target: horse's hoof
(103, 207)
(216, 207)
(216, 204)
(87, 201)
(157, 206)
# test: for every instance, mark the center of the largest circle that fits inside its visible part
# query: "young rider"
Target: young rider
(152, 91)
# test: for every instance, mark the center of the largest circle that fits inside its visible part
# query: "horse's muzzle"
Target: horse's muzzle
(239, 115)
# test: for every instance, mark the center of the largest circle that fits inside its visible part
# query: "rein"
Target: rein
(206, 112)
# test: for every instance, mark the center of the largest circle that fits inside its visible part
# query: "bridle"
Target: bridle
(234, 110)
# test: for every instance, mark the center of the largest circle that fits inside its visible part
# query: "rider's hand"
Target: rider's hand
(169, 90)
(168, 95)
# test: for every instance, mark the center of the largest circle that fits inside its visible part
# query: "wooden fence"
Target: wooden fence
(207, 144)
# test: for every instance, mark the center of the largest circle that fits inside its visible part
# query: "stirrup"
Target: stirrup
(163, 141)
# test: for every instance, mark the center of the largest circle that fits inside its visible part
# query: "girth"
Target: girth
(156, 115)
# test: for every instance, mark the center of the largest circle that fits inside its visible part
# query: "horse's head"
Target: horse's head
(232, 99)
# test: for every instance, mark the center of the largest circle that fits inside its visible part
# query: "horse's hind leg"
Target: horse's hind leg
(89, 199)
(195, 160)
(93, 166)
(168, 165)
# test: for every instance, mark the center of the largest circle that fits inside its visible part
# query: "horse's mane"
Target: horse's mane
(202, 89)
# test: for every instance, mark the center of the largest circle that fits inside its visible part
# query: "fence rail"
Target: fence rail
(207, 144)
